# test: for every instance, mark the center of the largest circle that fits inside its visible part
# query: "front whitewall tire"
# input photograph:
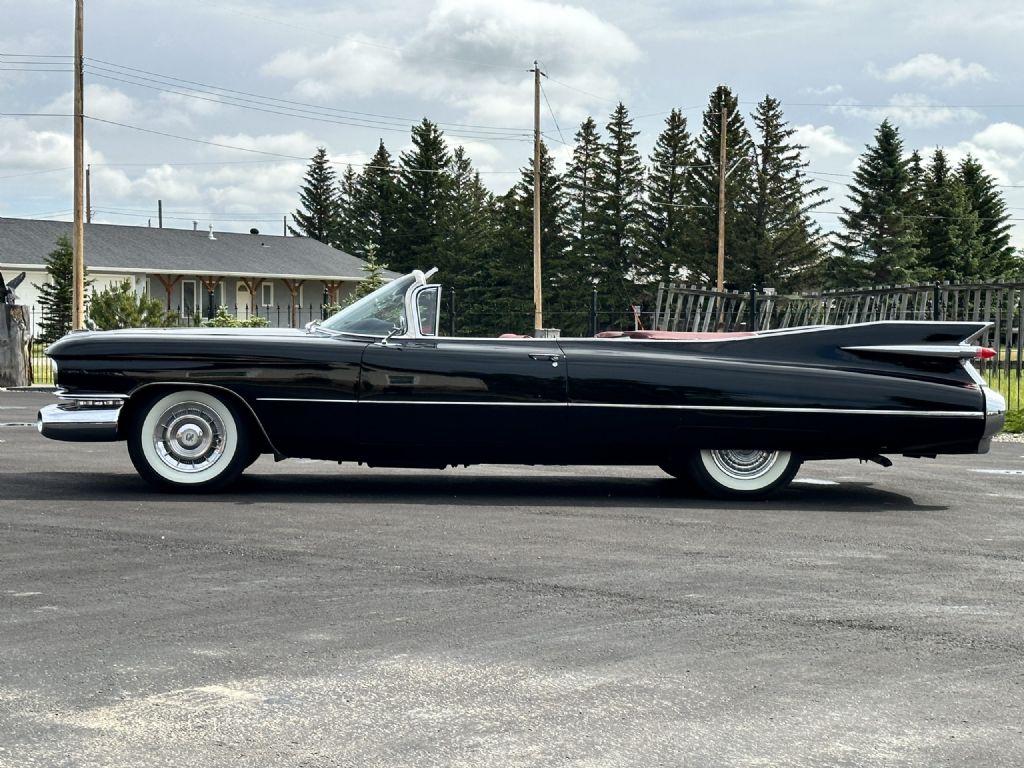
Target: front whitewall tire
(189, 440)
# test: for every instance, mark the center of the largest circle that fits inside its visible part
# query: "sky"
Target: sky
(347, 75)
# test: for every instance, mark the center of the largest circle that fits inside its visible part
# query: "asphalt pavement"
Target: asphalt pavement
(325, 615)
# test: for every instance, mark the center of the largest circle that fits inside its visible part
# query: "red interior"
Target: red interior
(673, 335)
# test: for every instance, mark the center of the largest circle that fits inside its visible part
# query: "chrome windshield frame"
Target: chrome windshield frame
(411, 314)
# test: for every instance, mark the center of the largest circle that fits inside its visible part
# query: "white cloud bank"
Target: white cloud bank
(473, 54)
(932, 68)
(821, 141)
(915, 110)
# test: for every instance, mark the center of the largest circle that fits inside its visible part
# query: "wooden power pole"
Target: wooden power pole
(724, 110)
(78, 229)
(538, 298)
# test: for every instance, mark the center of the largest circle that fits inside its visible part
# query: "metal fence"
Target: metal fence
(693, 308)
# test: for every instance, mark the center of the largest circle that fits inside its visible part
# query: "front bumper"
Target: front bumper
(92, 425)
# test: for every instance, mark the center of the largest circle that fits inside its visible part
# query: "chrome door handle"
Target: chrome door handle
(553, 359)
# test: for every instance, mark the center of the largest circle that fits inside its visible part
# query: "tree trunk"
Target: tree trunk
(15, 363)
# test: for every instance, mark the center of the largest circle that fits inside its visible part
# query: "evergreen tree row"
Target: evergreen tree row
(621, 224)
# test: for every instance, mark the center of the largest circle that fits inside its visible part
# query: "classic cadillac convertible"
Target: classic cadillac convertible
(733, 414)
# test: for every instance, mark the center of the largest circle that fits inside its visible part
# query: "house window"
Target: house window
(267, 294)
(189, 297)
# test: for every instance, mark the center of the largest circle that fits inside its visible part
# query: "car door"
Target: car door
(455, 400)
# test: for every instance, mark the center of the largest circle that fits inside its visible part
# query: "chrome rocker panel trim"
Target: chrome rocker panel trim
(78, 425)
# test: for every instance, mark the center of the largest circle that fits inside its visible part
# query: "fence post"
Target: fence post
(323, 305)
(593, 312)
(936, 309)
(451, 312)
(753, 309)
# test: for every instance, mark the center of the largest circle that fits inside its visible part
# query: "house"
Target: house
(285, 279)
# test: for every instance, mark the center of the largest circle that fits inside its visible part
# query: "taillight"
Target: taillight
(984, 353)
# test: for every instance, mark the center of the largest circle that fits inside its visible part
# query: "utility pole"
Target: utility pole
(724, 110)
(88, 195)
(78, 229)
(538, 298)
(284, 224)
(160, 214)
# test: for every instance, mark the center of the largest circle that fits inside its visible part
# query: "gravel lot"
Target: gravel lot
(506, 616)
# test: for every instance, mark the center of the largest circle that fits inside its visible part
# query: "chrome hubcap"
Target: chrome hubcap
(745, 464)
(189, 437)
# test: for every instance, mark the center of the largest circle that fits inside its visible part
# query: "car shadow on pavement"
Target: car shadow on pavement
(555, 490)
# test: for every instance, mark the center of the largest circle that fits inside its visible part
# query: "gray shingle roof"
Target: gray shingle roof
(113, 248)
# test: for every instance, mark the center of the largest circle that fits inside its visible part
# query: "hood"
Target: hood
(137, 338)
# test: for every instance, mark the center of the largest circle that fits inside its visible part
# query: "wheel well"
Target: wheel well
(149, 392)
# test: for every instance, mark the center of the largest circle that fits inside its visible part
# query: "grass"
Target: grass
(42, 366)
(1009, 386)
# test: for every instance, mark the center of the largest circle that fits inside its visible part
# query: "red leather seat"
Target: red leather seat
(674, 335)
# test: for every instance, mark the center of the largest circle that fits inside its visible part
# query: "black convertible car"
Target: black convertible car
(734, 414)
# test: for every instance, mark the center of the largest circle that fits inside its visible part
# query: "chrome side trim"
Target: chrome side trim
(738, 408)
(962, 351)
(78, 425)
(303, 400)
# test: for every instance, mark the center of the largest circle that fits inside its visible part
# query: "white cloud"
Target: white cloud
(999, 147)
(932, 68)
(473, 54)
(821, 141)
(100, 101)
(833, 89)
(23, 148)
(911, 109)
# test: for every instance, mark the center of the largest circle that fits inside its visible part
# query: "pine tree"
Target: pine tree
(670, 236)
(56, 295)
(880, 241)
(951, 249)
(469, 223)
(510, 260)
(738, 187)
(374, 271)
(318, 196)
(425, 186)
(786, 243)
(350, 234)
(582, 182)
(375, 206)
(998, 258)
(619, 214)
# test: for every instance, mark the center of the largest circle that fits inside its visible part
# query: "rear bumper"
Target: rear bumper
(995, 418)
(78, 424)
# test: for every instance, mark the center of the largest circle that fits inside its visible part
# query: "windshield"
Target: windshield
(375, 314)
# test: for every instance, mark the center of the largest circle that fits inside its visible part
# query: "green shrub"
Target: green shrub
(120, 307)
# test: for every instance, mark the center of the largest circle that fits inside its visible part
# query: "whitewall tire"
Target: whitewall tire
(742, 473)
(189, 440)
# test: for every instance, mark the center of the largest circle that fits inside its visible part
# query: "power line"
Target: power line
(374, 124)
(35, 173)
(264, 152)
(552, 112)
(263, 98)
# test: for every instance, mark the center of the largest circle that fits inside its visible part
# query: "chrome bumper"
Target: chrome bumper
(995, 418)
(78, 424)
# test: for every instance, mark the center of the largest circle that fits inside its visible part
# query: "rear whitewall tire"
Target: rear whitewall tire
(189, 440)
(740, 474)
